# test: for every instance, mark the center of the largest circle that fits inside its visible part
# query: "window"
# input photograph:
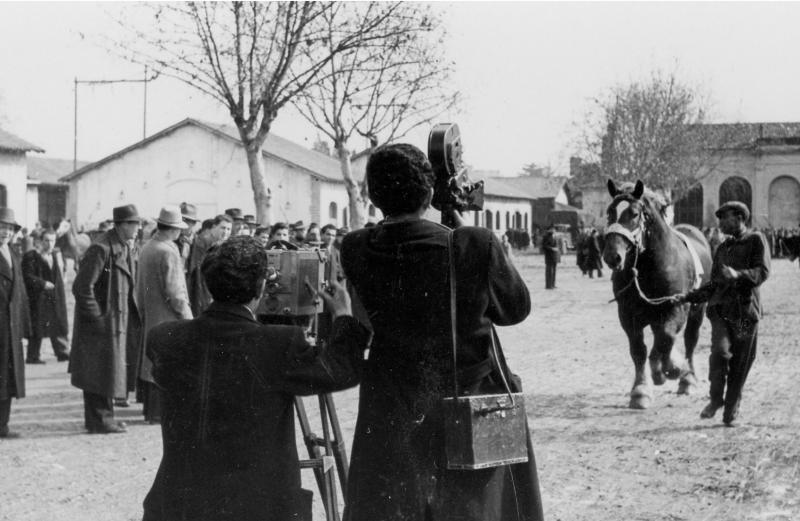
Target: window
(333, 211)
(496, 221)
(477, 218)
(489, 219)
(3, 196)
(508, 220)
(345, 221)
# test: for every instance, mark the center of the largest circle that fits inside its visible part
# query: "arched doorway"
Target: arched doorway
(689, 208)
(736, 189)
(784, 202)
(489, 222)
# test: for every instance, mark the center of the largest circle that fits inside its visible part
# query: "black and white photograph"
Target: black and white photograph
(399, 261)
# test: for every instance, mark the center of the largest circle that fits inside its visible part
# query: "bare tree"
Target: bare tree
(655, 131)
(253, 57)
(380, 90)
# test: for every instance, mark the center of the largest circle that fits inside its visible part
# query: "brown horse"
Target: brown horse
(71, 243)
(652, 262)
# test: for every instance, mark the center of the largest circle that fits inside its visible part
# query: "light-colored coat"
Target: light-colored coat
(107, 324)
(161, 291)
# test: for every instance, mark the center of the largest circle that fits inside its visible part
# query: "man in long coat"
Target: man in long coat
(14, 322)
(106, 334)
(43, 269)
(161, 294)
(552, 256)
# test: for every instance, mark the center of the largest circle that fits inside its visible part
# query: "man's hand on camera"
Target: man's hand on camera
(337, 299)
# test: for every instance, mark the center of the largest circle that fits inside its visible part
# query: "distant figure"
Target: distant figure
(594, 250)
(43, 269)
(506, 245)
(552, 256)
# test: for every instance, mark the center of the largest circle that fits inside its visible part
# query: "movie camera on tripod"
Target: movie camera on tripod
(293, 279)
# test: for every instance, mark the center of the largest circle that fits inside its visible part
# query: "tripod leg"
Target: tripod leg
(339, 448)
(314, 451)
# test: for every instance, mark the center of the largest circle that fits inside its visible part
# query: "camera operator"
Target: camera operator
(400, 271)
(227, 386)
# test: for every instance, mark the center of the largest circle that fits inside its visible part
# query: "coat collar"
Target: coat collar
(238, 311)
(6, 269)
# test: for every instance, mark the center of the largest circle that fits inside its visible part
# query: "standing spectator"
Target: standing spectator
(506, 245)
(594, 257)
(237, 221)
(161, 293)
(14, 322)
(43, 269)
(187, 236)
(313, 236)
(741, 264)
(279, 237)
(261, 235)
(249, 226)
(106, 334)
(220, 230)
(298, 234)
(552, 256)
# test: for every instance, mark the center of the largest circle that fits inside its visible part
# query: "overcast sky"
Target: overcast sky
(527, 71)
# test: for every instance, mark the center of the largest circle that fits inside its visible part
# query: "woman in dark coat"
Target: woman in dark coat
(399, 269)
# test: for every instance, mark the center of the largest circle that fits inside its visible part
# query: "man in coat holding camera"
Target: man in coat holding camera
(228, 385)
(106, 333)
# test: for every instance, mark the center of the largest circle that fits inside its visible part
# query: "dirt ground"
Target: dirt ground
(598, 460)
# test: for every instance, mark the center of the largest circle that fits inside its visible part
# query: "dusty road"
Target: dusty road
(598, 460)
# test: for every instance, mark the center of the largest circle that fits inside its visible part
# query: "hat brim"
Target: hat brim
(181, 225)
(17, 226)
(193, 219)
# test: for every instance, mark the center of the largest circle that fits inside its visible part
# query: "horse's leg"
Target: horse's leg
(663, 364)
(641, 394)
(690, 337)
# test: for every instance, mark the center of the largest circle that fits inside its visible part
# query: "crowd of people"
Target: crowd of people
(137, 273)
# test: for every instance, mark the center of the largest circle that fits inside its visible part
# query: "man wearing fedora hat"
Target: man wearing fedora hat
(14, 322)
(106, 333)
(161, 293)
(250, 225)
(238, 220)
(187, 237)
(741, 264)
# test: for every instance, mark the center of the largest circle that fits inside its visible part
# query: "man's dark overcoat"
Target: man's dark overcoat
(48, 308)
(14, 325)
(228, 412)
(398, 470)
(106, 333)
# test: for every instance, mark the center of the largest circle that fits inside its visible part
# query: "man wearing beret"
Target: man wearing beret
(741, 264)
(106, 334)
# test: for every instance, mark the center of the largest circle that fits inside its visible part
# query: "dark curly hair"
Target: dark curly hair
(399, 178)
(233, 271)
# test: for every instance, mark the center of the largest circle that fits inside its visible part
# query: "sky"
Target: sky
(527, 71)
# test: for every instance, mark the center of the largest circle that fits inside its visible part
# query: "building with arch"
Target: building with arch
(15, 191)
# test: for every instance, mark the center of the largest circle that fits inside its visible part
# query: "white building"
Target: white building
(14, 192)
(205, 164)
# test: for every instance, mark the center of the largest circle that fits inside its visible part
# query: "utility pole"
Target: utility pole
(145, 80)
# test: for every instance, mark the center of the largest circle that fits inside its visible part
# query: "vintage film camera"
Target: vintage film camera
(292, 278)
(453, 189)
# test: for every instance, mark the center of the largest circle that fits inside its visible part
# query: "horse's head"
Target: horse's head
(63, 227)
(630, 211)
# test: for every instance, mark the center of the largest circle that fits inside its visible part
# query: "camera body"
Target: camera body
(292, 278)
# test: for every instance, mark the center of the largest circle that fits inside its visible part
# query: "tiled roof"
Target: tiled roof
(746, 135)
(315, 163)
(534, 187)
(11, 143)
(49, 169)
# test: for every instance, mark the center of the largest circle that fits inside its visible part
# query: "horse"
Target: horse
(71, 243)
(652, 263)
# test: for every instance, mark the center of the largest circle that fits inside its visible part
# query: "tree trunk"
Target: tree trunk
(258, 180)
(357, 204)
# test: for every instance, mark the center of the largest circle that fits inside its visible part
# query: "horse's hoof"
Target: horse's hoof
(639, 402)
(658, 378)
(687, 384)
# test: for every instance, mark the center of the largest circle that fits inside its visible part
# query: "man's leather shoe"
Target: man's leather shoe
(63, 358)
(730, 414)
(710, 410)
(108, 428)
(36, 361)
(7, 434)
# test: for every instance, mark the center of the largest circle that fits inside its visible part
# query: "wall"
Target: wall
(13, 175)
(504, 206)
(193, 165)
